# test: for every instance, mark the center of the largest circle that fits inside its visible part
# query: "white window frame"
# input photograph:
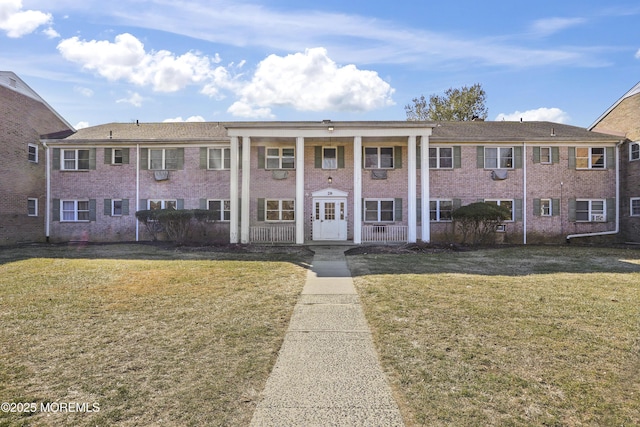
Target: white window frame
(546, 156)
(499, 202)
(279, 210)
(330, 163)
(593, 214)
(163, 203)
(634, 151)
(592, 158)
(546, 207)
(74, 210)
(35, 207)
(378, 210)
(76, 159)
(113, 207)
(439, 158)
(378, 158)
(500, 158)
(224, 209)
(438, 210)
(163, 159)
(634, 210)
(282, 161)
(114, 157)
(225, 153)
(34, 154)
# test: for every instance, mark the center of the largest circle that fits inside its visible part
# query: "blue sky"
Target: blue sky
(156, 60)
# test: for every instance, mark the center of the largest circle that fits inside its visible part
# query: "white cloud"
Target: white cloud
(126, 59)
(242, 109)
(82, 125)
(179, 119)
(17, 22)
(84, 91)
(134, 99)
(541, 114)
(311, 81)
(546, 27)
(51, 33)
(638, 54)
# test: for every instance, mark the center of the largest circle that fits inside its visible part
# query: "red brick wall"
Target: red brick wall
(23, 121)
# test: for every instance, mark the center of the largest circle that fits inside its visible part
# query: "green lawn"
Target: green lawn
(524, 336)
(151, 335)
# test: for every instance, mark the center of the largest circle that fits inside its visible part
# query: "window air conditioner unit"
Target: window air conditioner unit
(597, 218)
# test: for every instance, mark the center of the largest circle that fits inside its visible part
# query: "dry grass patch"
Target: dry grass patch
(153, 342)
(520, 336)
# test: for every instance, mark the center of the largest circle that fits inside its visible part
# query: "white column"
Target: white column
(424, 188)
(299, 190)
(413, 188)
(357, 190)
(245, 204)
(234, 191)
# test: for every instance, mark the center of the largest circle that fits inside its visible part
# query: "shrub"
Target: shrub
(175, 223)
(479, 221)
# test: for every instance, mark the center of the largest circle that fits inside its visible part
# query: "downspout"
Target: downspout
(48, 192)
(524, 189)
(137, 190)
(617, 222)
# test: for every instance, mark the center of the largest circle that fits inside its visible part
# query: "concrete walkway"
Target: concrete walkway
(327, 372)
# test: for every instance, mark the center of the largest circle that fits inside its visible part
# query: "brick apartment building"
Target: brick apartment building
(297, 182)
(334, 181)
(623, 119)
(26, 118)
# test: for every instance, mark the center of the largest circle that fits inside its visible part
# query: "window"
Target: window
(116, 207)
(440, 158)
(329, 158)
(440, 210)
(75, 160)
(32, 153)
(498, 158)
(162, 204)
(634, 151)
(546, 207)
(32, 207)
(163, 159)
(591, 211)
(221, 209)
(504, 203)
(381, 210)
(590, 158)
(635, 206)
(378, 157)
(117, 156)
(280, 210)
(74, 210)
(281, 158)
(219, 158)
(545, 155)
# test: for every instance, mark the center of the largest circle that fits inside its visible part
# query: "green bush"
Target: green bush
(479, 221)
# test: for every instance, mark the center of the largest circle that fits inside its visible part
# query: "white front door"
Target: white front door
(330, 219)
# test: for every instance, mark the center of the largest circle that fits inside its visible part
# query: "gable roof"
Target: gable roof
(11, 81)
(505, 131)
(149, 132)
(633, 91)
(456, 132)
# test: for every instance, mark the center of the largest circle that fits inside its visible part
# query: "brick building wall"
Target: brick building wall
(624, 119)
(468, 183)
(24, 120)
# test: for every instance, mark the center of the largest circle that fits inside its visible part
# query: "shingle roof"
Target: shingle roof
(183, 131)
(503, 131)
(477, 131)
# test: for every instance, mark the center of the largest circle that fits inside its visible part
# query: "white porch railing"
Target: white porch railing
(384, 233)
(281, 234)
